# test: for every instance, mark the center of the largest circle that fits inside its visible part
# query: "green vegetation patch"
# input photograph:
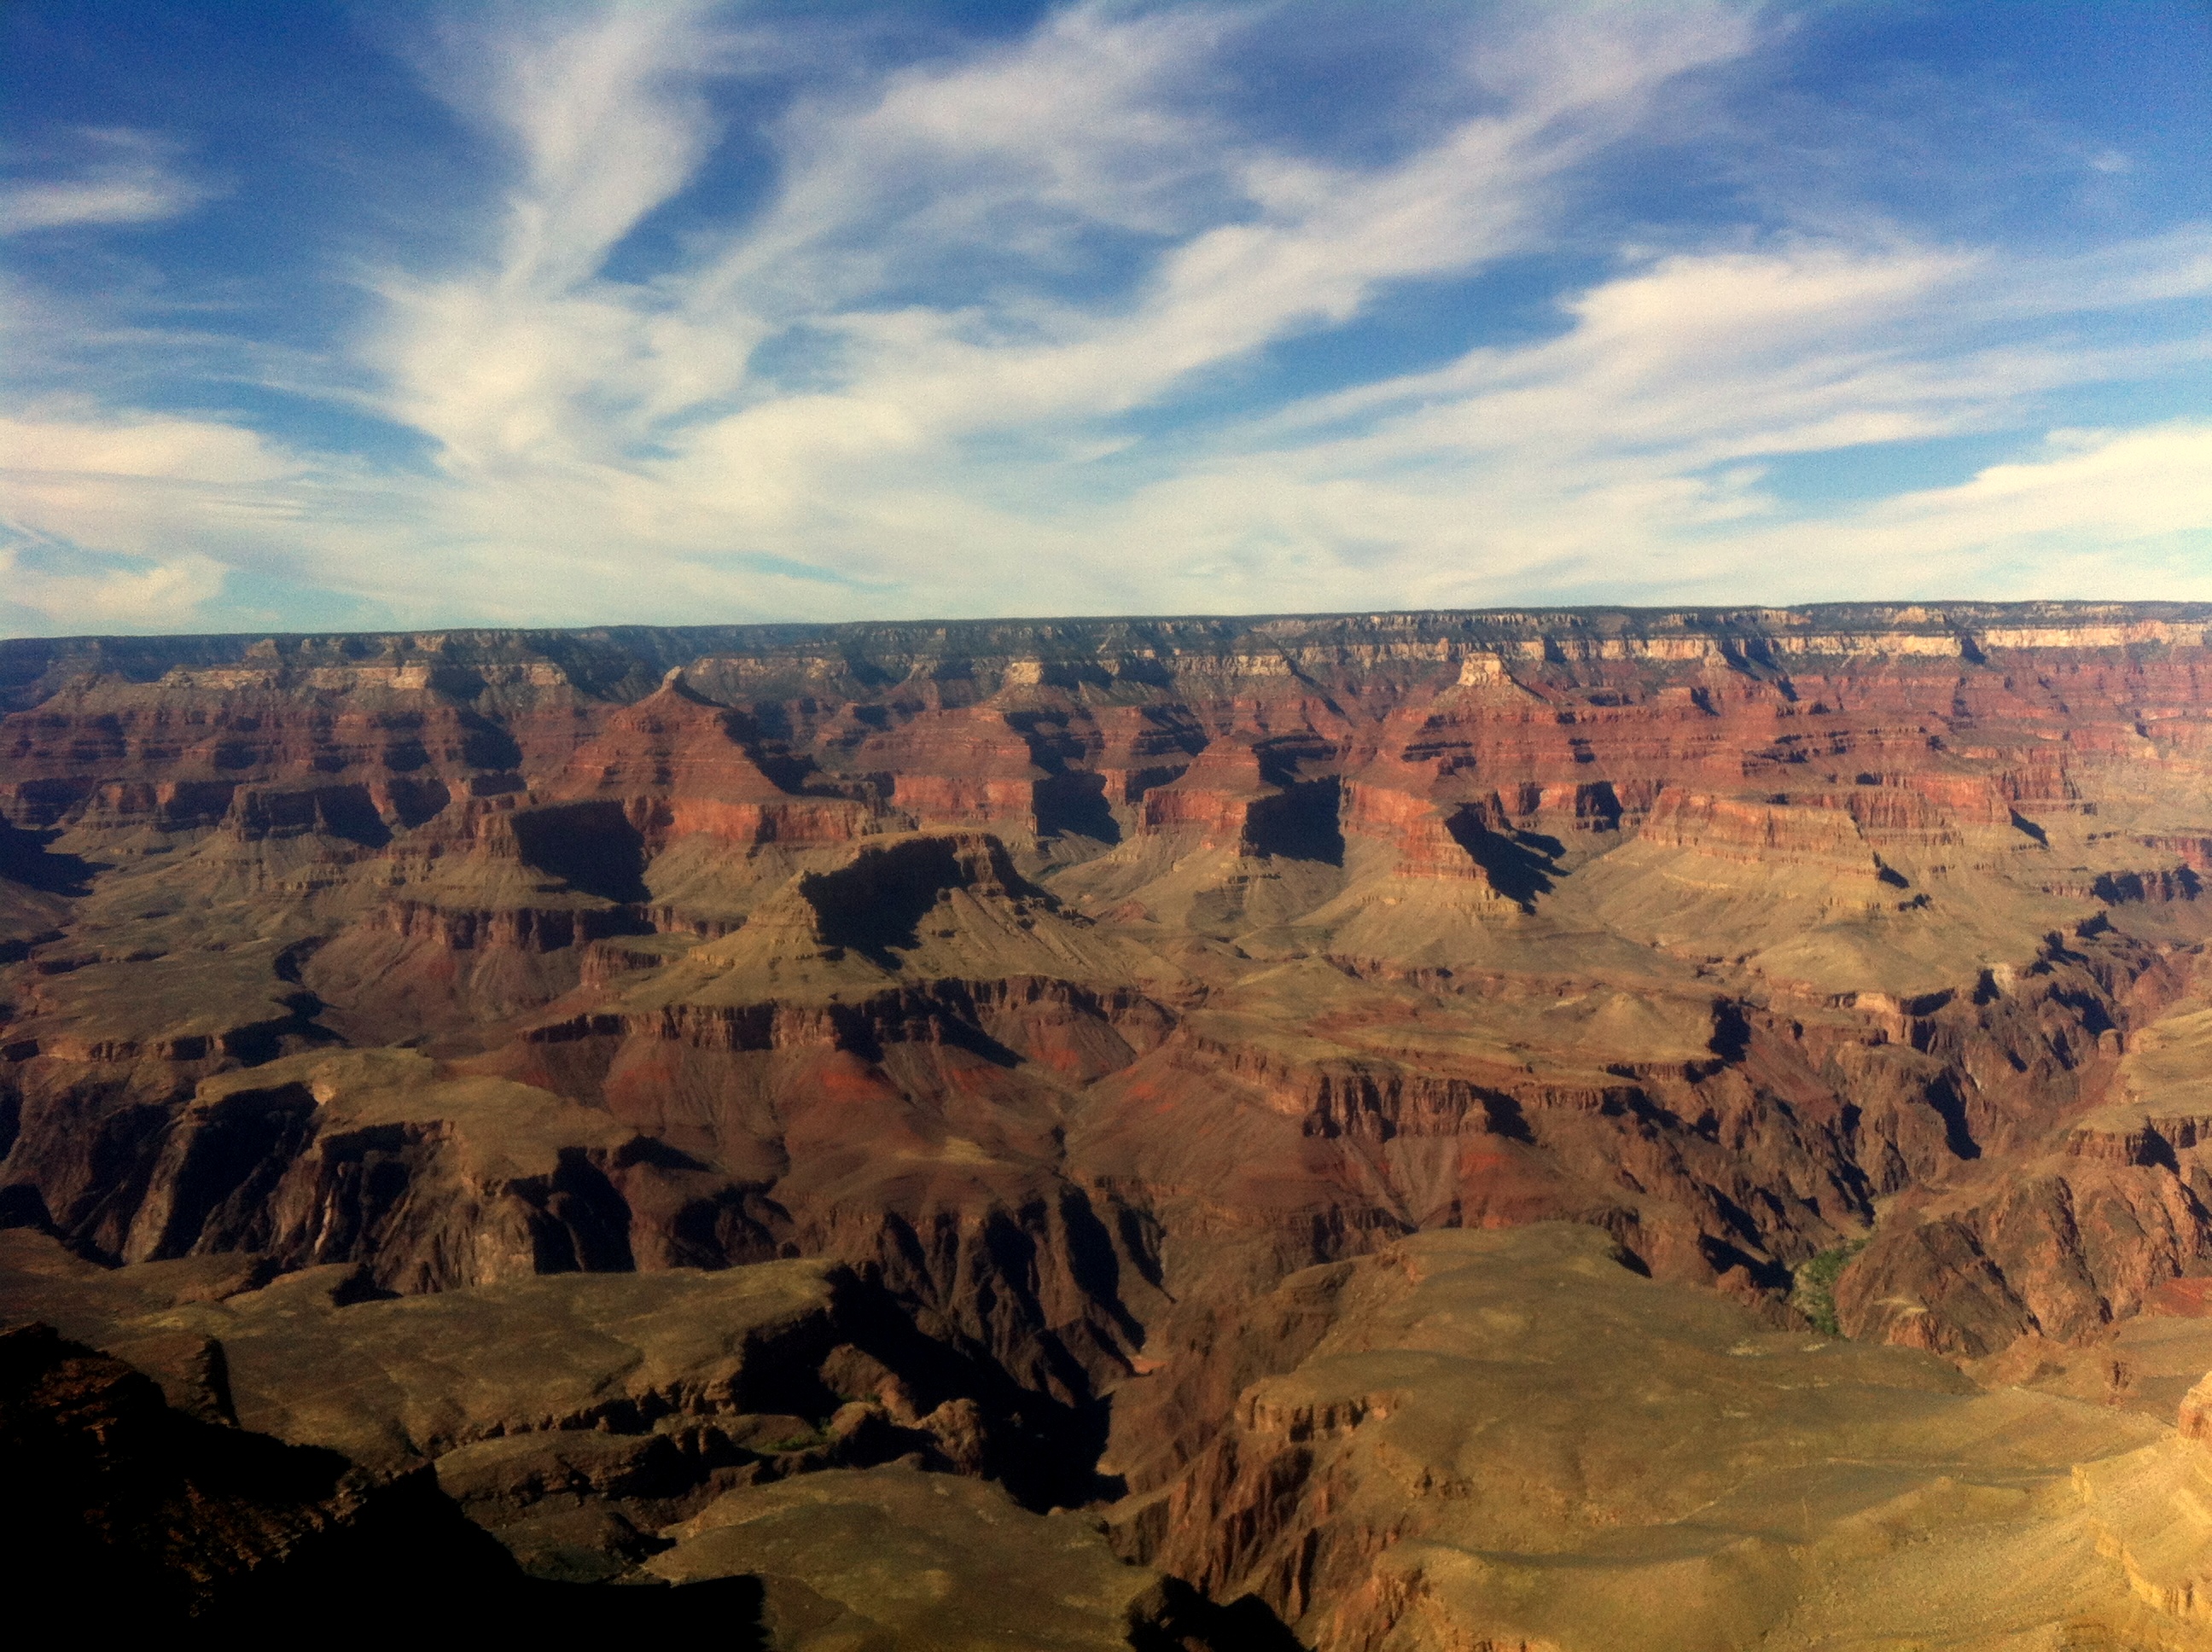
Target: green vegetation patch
(1812, 1286)
(818, 1437)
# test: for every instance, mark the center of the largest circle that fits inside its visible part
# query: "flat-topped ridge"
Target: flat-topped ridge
(627, 662)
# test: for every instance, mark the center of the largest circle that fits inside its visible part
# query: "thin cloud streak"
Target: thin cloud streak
(126, 177)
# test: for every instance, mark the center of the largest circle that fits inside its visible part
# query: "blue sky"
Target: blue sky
(324, 316)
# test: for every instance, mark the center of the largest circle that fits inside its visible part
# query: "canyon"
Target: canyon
(1572, 1129)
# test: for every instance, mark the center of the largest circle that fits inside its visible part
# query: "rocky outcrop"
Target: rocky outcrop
(108, 1482)
(182, 1522)
(1452, 1451)
(2151, 1510)
(2063, 1243)
(553, 1409)
(507, 1483)
(431, 1181)
(840, 1555)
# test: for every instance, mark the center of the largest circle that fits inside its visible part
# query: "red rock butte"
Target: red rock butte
(1384, 1116)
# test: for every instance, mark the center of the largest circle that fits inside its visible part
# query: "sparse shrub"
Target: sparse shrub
(819, 1435)
(1812, 1286)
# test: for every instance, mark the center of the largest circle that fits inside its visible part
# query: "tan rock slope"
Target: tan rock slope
(901, 1079)
(1509, 1439)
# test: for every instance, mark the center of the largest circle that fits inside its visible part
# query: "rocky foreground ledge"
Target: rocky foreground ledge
(1581, 1129)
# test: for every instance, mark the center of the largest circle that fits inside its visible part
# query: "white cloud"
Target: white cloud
(127, 595)
(136, 493)
(171, 449)
(609, 122)
(2107, 485)
(1626, 455)
(126, 177)
(135, 522)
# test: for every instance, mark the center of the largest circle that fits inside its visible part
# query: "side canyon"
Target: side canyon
(1582, 1130)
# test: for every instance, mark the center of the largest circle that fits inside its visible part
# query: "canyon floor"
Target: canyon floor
(1589, 1130)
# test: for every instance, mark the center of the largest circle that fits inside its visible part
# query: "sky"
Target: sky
(347, 316)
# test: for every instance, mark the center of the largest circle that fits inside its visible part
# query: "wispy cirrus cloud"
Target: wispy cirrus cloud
(996, 331)
(117, 176)
(1632, 453)
(1092, 130)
